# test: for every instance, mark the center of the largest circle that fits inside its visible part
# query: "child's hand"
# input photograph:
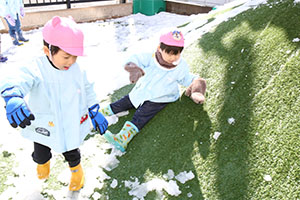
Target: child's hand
(18, 113)
(98, 120)
(135, 72)
(10, 20)
(22, 13)
(196, 90)
(198, 98)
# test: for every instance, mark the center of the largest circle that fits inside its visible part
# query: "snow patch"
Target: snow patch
(216, 135)
(231, 120)
(183, 177)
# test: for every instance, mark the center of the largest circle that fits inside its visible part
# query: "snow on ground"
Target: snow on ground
(108, 44)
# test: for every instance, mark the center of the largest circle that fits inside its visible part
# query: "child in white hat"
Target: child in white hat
(61, 100)
(157, 77)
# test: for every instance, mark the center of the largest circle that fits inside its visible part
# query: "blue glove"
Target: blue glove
(17, 111)
(99, 122)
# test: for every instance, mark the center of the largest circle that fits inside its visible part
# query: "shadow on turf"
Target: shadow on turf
(235, 142)
(170, 140)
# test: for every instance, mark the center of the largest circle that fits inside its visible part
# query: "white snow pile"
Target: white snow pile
(139, 191)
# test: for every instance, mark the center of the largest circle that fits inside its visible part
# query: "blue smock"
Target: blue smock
(159, 84)
(58, 99)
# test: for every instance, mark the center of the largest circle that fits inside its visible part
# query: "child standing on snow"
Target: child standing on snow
(60, 100)
(12, 9)
(157, 77)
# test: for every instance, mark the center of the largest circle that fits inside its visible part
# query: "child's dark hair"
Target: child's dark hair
(170, 49)
(53, 49)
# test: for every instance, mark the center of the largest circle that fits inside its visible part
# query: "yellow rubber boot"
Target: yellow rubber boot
(77, 178)
(43, 170)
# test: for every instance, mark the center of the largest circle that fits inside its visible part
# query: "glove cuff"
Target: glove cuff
(8, 93)
(93, 110)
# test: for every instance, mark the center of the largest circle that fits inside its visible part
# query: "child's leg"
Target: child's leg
(146, 112)
(12, 32)
(77, 178)
(72, 157)
(42, 155)
(143, 114)
(119, 106)
(19, 30)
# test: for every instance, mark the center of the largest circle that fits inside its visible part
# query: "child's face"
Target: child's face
(62, 60)
(170, 58)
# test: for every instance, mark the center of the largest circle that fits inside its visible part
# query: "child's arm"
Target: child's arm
(196, 85)
(13, 88)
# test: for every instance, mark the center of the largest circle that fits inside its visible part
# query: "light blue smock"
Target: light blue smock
(10, 7)
(58, 99)
(159, 84)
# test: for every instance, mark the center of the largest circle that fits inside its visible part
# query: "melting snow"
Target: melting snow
(216, 135)
(140, 191)
(114, 183)
(183, 177)
(267, 178)
(231, 120)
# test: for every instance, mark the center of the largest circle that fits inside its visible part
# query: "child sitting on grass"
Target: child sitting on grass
(61, 100)
(157, 77)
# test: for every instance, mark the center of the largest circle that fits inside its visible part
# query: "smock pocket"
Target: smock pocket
(43, 125)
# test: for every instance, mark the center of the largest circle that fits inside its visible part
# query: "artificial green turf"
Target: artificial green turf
(251, 66)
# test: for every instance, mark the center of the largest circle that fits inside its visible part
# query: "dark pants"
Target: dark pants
(142, 115)
(42, 154)
(16, 29)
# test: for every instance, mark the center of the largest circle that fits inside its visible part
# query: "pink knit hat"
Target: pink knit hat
(64, 33)
(173, 38)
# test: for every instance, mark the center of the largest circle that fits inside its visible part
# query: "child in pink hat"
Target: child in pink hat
(157, 77)
(61, 100)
